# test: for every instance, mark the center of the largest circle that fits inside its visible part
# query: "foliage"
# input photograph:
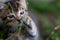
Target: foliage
(49, 16)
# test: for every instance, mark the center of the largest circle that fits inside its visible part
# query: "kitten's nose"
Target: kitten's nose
(11, 16)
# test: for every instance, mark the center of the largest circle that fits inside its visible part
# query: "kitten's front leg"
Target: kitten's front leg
(31, 27)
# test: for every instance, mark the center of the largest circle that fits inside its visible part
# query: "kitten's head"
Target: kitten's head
(11, 11)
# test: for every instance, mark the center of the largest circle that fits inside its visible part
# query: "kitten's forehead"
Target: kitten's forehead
(4, 1)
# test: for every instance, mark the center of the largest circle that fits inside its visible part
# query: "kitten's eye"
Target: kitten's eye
(22, 12)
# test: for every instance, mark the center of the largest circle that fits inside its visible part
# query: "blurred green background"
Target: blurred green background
(48, 13)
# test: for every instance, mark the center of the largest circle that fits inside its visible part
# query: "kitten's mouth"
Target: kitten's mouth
(13, 22)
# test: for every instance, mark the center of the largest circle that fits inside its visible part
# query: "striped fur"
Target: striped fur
(29, 23)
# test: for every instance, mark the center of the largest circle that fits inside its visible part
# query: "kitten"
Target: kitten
(12, 12)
